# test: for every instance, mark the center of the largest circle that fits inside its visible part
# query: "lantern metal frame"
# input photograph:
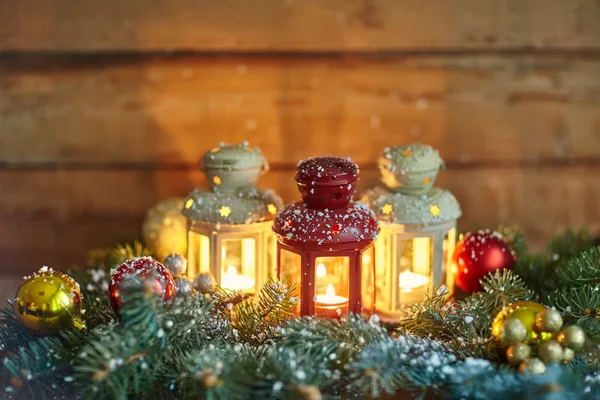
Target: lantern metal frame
(261, 232)
(388, 250)
(309, 253)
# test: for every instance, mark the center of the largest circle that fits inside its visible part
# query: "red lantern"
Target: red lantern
(325, 242)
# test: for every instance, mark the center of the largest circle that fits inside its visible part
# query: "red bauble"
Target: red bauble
(477, 255)
(145, 268)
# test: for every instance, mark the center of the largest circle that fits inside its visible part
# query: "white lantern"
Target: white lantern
(230, 226)
(413, 251)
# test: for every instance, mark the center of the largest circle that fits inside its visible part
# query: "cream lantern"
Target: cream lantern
(413, 252)
(230, 226)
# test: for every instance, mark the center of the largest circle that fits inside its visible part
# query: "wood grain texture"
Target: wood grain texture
(55, 217)
(168, 111)
(290, 25)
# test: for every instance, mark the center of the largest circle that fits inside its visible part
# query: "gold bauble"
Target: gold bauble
(517, 353)
(524, 311)
(550, 352)
(533, 366)
(568, 355)
(513, 331)
(48, 302)
(205, 282)
(572, 337)
(548, 321)
(165, 228)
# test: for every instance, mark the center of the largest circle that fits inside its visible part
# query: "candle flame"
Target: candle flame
(321, 270)
(231, 270)
(330, 292)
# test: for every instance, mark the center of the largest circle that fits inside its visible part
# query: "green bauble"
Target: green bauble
(513, 331)
(532, 366)
(548, 321)
(568, 355)
(517, 353)
(550, 352)
(572, 337)
(524, 311)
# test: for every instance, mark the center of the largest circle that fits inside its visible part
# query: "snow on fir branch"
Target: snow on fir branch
(223, 345)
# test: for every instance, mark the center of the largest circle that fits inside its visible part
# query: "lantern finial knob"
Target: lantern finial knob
(229, 168)
(409, 169)
(327, 182)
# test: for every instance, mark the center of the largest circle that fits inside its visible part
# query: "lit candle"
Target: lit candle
(413, 287)
(409, 280)
(233, 281)
(330, 305)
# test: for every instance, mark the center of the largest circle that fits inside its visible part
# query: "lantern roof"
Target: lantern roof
(242, 206)
(234, 157)
(354, 223)
(321, 171)
(326, 214)
(437, 205)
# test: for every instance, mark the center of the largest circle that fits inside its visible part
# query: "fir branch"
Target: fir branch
(258, 321)
(37, 370)
(115, 364)
(581, 269)
(13, 334)
(409, 363)
(503, 288)
(578, 305)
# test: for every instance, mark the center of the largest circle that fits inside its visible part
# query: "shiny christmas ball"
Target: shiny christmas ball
(517, 353)
(548, 321)
(176, 264)
(205, 282)
(141, 268)
(568, 355)
(524, 311)
(477, 255)
(572, 337)
(48, 302)
(532, 366)
(513, 331)
(183, 287)
(165, 228)
(550, 352)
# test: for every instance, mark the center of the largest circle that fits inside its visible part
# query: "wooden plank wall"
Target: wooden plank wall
(105, 106)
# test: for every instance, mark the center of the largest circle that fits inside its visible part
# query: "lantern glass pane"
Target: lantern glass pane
(290, 265)
(449, 267)
(238, 264)
(198, 253)
(368, 281)
(204, 253)
(415, 275)
(332, 286)
(385, 272)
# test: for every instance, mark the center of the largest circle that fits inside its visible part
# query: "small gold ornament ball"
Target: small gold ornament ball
(48, 302)
(550, 352)
(517, 353)
(533, 366)
(513, 331)
(568, 355)
(572, 337)
(205, 282)
(183, 287)
(165, 228)
(524, 311)
(548, 321)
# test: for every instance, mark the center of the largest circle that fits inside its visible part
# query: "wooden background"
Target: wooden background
(105, 106)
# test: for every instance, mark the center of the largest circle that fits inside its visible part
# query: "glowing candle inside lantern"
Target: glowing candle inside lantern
(409, 280)
(330, 305)
(233, 281)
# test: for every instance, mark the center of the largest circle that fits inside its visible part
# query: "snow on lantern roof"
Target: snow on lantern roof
(232, 172)
(326, 215)
(409, 173)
